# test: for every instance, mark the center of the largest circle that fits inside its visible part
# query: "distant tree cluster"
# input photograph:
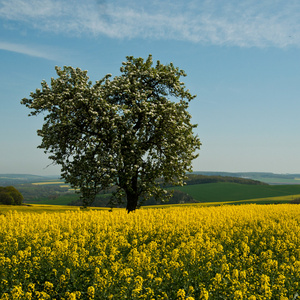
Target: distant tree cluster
(35, 192)
(198, 179)
(177, 197)
(10, 196)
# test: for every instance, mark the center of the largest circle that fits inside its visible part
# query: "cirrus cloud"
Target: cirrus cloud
(34, 51)
(248, 23)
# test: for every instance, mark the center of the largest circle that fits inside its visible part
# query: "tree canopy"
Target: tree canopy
(9, 195)
(127, 131)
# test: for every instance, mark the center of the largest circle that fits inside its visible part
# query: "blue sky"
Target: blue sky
(242, 59)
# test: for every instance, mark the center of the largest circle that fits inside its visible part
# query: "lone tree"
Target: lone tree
(9, 195)
(124, 132)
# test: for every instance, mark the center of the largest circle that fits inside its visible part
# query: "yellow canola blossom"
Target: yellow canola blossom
(225, 252)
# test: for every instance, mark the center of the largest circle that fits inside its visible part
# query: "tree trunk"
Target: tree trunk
(132, 194)
(132, 201)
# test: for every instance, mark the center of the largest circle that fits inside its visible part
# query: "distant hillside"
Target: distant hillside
(201, 179)
(227, 191)
(201, 187)
(270, 178)
(12, 179)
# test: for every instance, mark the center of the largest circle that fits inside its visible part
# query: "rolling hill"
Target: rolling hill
(202, 188)
(227, 191)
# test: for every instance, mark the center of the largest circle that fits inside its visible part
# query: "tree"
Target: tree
(124, 132)
(10, 195)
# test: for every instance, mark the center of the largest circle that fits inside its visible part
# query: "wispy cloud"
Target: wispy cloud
(247, 23)
(27, 50)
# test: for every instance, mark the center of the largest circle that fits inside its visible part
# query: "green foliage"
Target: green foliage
(295, 201)
(123, 131)
(10, 196)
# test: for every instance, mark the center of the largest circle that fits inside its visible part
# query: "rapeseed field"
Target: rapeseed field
(225, 252)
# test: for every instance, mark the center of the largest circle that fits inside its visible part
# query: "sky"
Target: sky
(242, 60)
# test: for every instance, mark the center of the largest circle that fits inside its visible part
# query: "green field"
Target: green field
(225, 191)
(222, 193)
(51, 208)
(60, 200)
(207, 193)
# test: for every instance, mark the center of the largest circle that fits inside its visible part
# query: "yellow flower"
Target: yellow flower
(48, 286)
(28, 296)
(5, 296)
(180, 294)
(91, 292)
(17, 292)
(238, 295)
(204, 295)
